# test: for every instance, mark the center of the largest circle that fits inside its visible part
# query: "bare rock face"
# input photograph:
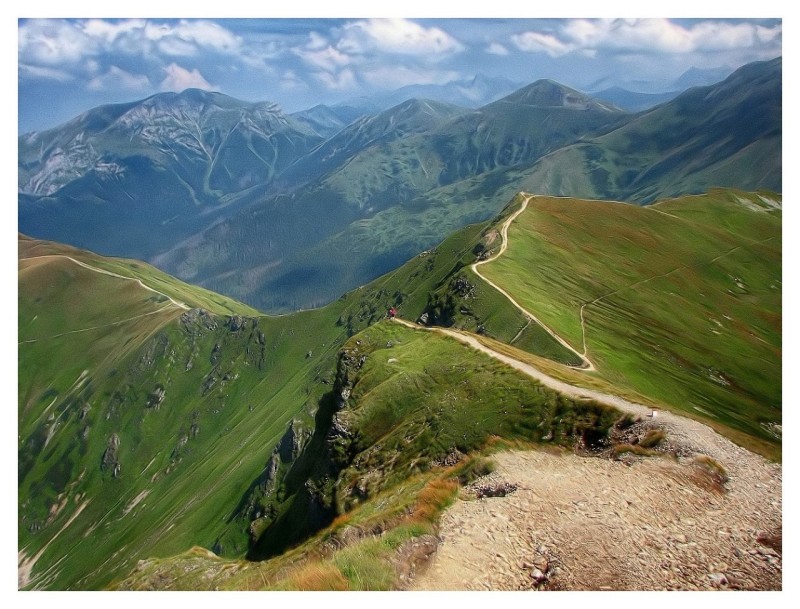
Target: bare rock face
(236, 323)
(156, 397)
(198, 321)
(110, 460)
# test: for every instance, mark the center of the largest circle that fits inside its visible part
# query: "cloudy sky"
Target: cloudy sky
(66, 66)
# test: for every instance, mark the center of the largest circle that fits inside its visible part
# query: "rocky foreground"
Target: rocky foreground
(568, 522)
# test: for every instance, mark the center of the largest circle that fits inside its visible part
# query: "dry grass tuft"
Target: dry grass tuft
(636, 449)
(317, 576)
(432, 499)
(710, 473)
(652, 438)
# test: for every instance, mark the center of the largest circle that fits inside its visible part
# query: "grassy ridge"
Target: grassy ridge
(422, 410)
(429, 282)
(194, 296)
(195, 401)
(188, 405)
(682, 299)
(417, 398)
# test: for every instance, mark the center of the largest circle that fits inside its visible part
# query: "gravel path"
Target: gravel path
(655, 524)
(585, 523)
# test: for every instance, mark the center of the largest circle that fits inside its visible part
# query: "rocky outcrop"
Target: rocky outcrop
(110, 461)
(236, 323)
(156, 397)
(198, 321)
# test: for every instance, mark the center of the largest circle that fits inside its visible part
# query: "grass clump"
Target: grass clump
(315, 575)
(365, 567)
(472, 469)
(636, 449)
(710, 472)
(433, 499)
(652, 438)
(625, 421)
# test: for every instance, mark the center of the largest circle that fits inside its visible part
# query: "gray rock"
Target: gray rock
(537, 576)
(718, 579)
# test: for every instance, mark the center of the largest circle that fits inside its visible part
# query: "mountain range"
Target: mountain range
(286, 212)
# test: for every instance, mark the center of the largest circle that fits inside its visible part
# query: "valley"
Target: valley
(251, 202)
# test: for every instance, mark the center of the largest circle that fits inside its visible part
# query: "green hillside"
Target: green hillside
(397, 451)
(681, 300)
(141, 421)
(155, 417)
(136, 390)
(728, 134)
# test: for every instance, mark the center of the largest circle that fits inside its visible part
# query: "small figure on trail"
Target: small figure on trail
(392, 313)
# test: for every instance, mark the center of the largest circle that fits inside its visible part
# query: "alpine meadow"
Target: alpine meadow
(443, 324)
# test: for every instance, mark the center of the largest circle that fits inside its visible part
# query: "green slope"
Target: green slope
(681, 300)
(140, 422)
(421, 410)
(728, 134)
(223, 424)
(204, 404)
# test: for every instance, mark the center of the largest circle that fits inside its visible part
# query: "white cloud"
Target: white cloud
(208, 35)
(109, 31)
(343, 80)
(291, 81)
(177, 47)
(117, 78)
(648, 36)
(197, 33)
(61, 42)
(179, 78)
(497, 49)
(535, 42)
(44, 73)
(328, 59)
(393, 77)
(400, 36)
(316, 41)
(53, 43)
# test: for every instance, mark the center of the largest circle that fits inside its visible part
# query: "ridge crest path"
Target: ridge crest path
(590, 516)
(577, 509)
(587, 365)
(177, 303)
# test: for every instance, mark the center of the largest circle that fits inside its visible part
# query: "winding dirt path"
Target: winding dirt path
(177, 303)
(602, 524)
(586, 365)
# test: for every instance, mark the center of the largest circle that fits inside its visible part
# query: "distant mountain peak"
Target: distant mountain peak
(548, 93)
